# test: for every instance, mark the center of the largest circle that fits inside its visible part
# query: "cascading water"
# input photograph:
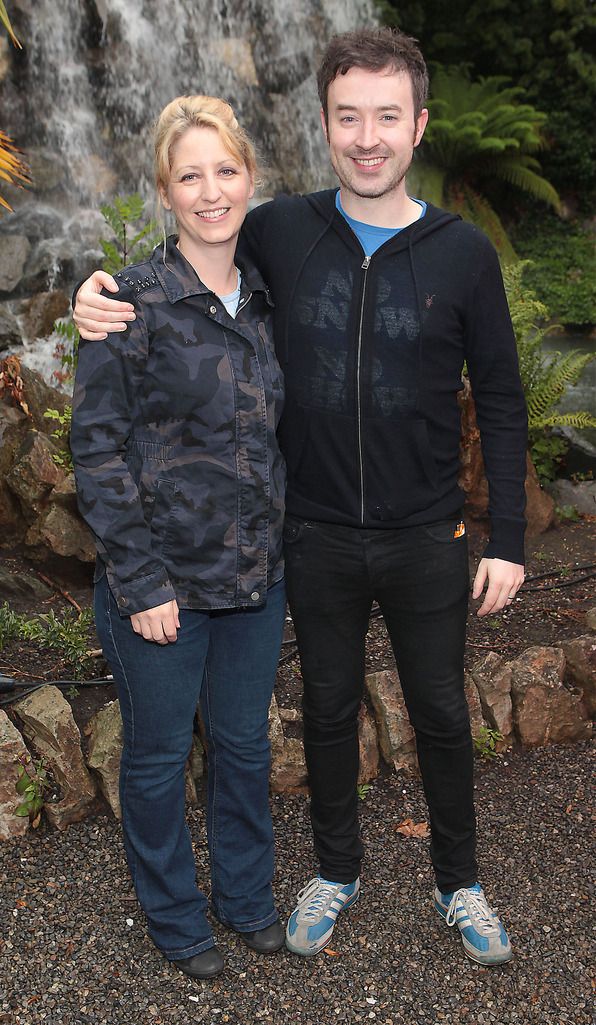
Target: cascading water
(81, 97)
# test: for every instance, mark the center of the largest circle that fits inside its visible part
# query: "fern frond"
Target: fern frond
(578, 420)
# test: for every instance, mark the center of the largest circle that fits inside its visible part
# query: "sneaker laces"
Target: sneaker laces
(477, 907)
(322, 895)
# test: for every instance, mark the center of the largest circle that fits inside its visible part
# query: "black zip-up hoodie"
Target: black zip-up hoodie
(372, 352)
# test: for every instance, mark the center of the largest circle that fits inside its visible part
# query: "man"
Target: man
(380, 299)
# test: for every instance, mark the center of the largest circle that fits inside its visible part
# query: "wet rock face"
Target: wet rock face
(87, 131)
(11, 746)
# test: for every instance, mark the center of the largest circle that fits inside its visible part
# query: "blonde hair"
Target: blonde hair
(199, 112)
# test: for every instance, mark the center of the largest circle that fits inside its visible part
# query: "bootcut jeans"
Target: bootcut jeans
(226, 660)
(419, 577)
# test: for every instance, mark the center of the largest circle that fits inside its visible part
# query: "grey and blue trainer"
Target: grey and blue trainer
(483, 936)
(312, 922)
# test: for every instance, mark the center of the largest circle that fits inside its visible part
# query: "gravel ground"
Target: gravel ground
(74, 947)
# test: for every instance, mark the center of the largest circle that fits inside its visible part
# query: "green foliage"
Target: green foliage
(562, 270)
(545, 375)
(61, 434)
(31, 785)
(485, 744)
(66, 634)
(480, 134)
(362, 790)
(567, 513)
(66, 349)
(548, 451)
(545, 46)
(132, 242)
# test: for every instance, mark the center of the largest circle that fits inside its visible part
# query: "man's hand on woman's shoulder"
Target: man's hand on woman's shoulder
(95, 314)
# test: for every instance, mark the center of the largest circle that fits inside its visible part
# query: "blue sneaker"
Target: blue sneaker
(313, 920)
(482, 934)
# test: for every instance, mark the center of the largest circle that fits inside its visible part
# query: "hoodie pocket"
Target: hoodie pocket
(400, 473)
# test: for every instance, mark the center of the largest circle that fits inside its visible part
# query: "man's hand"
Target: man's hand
(504, 580)
(158, 624)
(95, 315)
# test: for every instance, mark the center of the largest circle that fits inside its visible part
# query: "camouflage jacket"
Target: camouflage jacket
(178, 470)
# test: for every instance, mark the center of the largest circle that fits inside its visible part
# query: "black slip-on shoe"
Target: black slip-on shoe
(265, 941)
(205, 965)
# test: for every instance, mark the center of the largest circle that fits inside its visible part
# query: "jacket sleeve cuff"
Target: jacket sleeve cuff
(142, 593)
(506, 541)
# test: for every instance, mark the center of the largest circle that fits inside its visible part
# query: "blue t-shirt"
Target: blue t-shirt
(370, 236)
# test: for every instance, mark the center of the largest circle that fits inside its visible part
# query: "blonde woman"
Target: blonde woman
(180, 477)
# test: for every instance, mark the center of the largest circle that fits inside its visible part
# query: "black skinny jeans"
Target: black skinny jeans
(419, 577)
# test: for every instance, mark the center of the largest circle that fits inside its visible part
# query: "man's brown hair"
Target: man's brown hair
(374, 49)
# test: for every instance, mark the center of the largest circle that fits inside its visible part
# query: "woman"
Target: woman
(181, 480)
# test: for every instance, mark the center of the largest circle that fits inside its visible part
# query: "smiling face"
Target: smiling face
(372, 133)
(208, 191)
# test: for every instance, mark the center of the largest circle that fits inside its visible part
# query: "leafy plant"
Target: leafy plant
(480, 134)
(545, 376)
(63, 458)
(67, 634)
(13, 169)
(485, 744)
(66, 349)
(131, 243)
(362, 790)
(31, 786)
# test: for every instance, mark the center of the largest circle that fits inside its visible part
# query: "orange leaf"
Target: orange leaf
(410, 828)
(330, 952)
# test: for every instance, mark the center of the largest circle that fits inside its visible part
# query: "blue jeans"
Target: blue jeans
(226, 660)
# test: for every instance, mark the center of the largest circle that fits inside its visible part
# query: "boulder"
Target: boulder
(474, 706)
(49, 725)
(13, 257)
(23, 586)
(540, 508)
(11, 746)
(10, 332)
(42, 310)
(368, 745)
(63, 532)
(53, 262)
(396, 736)
(276, 730)
(591, 619)
(544, 710)
(493, 680)
(39, 397)
(581, 668)
(581, 496)
(105, 749)
(288, 768)
(34, 473)
(35, 220)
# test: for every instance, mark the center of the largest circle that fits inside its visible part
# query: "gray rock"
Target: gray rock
(10, 332)
(33, 474)
(581, 667)
(581, 497)
(591, 619)
(105, 749)
(42, 310)
(53, 263)
(474, 706)
(62, 532)
(288, 769)
(35, 220)
(49, 725)
(368, 747)
(13, 256)
(22, 585)
(493, 680)
(396, 736)
(544, 710)
(11, 746)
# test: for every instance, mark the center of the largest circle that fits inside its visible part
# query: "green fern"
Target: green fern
(545, 375)
(480, 133)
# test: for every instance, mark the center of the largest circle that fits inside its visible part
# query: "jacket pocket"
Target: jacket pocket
(162, 512)
(400, 473)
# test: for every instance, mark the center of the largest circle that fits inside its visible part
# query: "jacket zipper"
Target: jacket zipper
(365, 266)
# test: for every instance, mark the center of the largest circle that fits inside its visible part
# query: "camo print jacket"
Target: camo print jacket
(178, 470)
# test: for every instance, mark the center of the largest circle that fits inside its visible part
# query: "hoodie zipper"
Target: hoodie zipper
(365, 266)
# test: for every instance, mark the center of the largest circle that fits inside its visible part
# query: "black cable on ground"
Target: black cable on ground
(8, 684)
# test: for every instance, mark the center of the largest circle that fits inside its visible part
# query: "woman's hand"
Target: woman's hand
(95, 314)
(504, 580)
(158, 624)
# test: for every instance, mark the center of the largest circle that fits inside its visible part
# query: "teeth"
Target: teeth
(371, 162)
(211, 215)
